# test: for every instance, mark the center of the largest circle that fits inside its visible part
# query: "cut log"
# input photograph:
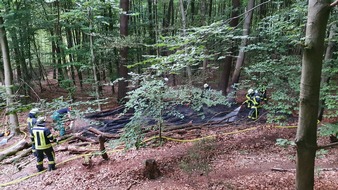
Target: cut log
(87, 162)
(14, 149)
(81, 138)
(106, 135)
(79, 150)
(19, 155)
(179, 128)
(151, 170)
(102, 148)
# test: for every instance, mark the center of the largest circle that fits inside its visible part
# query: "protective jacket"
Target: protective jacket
(41, 137)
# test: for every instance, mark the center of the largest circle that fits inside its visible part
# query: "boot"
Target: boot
(51, 167)
(40, 168)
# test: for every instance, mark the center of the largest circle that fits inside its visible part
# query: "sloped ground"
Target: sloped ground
(235, 161)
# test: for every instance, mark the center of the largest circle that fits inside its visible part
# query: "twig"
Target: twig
(328, 145)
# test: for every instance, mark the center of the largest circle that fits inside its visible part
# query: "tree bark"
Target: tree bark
(306, 138)
(123, 71)
(102, 148)
(189, 73)
(226, 66)
(13, 118)
(241, 54)
(328, 56)
(106, 135)
(14, 149)
(93, 60)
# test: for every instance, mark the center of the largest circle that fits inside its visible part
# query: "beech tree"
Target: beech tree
(123, 71)
(13, 118)
(306, 139)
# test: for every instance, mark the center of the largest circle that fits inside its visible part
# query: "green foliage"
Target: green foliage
(328, 129)
(321, 153)
(284, 142)
(275, 61)
(69, 86)
(152, 98)
(198, 157)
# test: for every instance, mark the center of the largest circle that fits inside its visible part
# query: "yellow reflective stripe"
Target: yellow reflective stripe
(51, 162)
(40, 163)
(40, 140)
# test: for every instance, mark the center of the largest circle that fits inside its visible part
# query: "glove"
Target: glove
(56, 141)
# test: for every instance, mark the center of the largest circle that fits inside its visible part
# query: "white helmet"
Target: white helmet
(41, 120)
(250, 91)
(205, 85)
(34, 111)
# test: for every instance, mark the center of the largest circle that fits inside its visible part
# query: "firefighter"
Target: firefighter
(255, 99)
(249, 97)
(58, 119)
(32, 117)
(42, 138)
(31, 121)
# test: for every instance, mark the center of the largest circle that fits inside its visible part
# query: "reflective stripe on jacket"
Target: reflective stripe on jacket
(41, 137)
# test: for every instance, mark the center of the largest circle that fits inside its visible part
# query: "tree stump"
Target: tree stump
(151, 170)
(102, 148)
(87, 162)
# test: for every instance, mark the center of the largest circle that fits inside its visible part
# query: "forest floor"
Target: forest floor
(242, 156)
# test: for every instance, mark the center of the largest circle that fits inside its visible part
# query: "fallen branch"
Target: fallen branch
(106, 135)
(293, 170)
(79, 150)
(282, 170)
(180, 128)
(327, 146)
(24, 153)
(13, 150)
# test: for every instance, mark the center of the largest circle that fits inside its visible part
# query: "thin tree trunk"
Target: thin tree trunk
(13, 118)
(306, 139)
(189, 73)
(246, 32)
(123, 71)
(328, 56)
(226, 66)
(91, 43)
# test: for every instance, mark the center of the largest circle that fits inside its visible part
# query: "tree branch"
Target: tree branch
(328, 145)
(334, 3)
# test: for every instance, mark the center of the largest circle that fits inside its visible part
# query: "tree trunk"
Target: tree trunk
(184, 34)
(13, 118)
(123, 71)
(241, 55)
(226, 66)
(92, 55)
(306, 139)
(328, 56)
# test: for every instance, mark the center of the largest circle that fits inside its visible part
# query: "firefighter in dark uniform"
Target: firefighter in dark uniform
(42, 138)
(254, 99)
(31, 121)
(32, 117)
(249, 97)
